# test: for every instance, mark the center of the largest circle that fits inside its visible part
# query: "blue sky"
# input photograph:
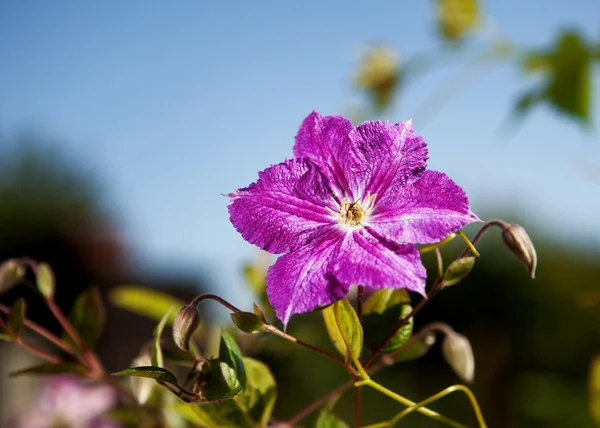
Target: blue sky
(171, 105)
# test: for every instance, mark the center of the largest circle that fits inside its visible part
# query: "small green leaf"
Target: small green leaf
(416, 350)
(259, 313)
(250, 409)
(227, 374)
(348, 323)
(152, 372)
(329, 420)
(382, 311)
(11, 273)
(156, 354)
(247, 322)
(52, 369)
(456, 18)
(88, 316)
(16, 319)
(457, 271)
(45, 280)
(144, 301)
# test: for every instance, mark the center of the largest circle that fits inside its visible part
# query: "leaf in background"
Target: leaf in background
(415, 350)
(350, 324)
(88, 317)
(457, 271)
(45, 280)
(252, 408)
(594, 388)
(156, 352)
(152, 372)
(52, 369)
(247, 322)
(144, 301)
(567, 78)
(456, 18)
(329, 420)
(379, 76)
(382, 311)
(16, 319)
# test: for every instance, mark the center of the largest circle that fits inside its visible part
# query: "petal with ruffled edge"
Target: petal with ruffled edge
(299, 281)
(385, 154)
(422, 211)
(285, 208)
(369, 260)
(324, 140)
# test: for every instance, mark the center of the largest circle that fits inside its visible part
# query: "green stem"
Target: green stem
(405, 401)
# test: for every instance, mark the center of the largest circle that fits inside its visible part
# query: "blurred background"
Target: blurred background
(122, 124)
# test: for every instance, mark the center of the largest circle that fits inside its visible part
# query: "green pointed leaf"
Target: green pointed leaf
(11, 273)
(227, 373)
(457, 271)
(247, 322)
(416, 350)
(259, 313)
(329, 420)
(348, 324)
(456, 18)
(88, 316)
(52, 369)
(250, 409)
(156, 353)
(144, 301)
(382, 311)
(152, 372)
(5, 337)
(16, 319)
(45, 280)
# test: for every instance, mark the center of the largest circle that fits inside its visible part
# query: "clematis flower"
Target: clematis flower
(347, 209)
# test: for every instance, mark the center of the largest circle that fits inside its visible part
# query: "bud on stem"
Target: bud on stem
(519, 243)
(185, 324)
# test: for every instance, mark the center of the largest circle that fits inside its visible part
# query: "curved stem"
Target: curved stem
(405, 401)
(216, 298)
(42, 354)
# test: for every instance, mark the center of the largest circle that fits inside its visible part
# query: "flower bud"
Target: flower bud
(185, 324)
(458, 353)
(11, 273)
(518, 241)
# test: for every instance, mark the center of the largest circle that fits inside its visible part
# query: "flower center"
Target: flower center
(351, 213)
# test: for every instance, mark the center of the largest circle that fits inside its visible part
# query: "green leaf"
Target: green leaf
(5, 337)
(259, 313)
(416, 350)
(456, 18)
(247, 322)
(144, 301)
(329, 420)
(594, 388)
(156, 353)
(11, 273)
(88, 316)
(152, 372)
(255, 277)
(16, 319)
(457, 271)
(52, 369)
(45, 280)
(348, 324)
(382, 311)
(250, 409)
(227, 373)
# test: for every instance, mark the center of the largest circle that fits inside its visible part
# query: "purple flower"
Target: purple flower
(347, 209)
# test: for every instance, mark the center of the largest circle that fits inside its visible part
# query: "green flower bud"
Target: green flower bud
(185, 324)
(458, 353)
(519, 243)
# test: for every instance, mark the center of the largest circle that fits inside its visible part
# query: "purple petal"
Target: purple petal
(385, 154)
(325, 141)
(366, 260)
(299, 281)
(422, 211)
(285, 208)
